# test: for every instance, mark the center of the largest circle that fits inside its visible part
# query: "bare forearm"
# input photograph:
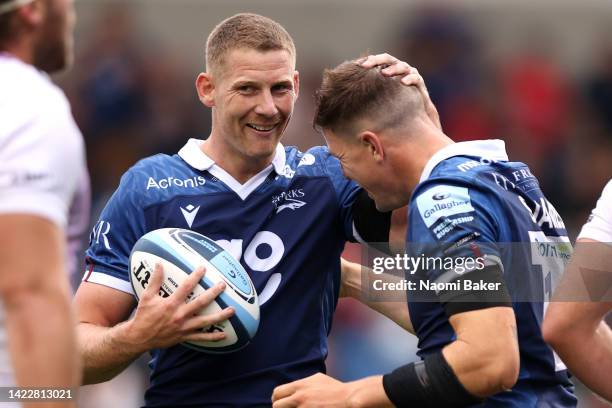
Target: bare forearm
(106, 351)
(354, 276)
(484, 364)
(41, 338)
(587, 352)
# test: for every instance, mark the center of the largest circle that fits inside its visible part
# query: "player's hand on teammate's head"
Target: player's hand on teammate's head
(163, 322)
(391, 66)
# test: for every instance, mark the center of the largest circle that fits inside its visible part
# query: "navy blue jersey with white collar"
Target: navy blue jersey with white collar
(471, 201)
(287, 226)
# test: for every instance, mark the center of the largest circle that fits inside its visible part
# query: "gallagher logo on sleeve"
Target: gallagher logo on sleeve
(443, 201)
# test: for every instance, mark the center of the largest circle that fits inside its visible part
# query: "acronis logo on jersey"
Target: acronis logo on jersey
(443, 201)
(167, 182)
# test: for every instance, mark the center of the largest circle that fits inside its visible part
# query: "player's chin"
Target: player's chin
(264, 147)
(384, 204)
(263, 151)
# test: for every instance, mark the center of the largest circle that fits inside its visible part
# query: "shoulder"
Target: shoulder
(441, 196)
(38, 111)
(479, 177)
(442, 203)
(151, 169)
(599, 224)
(158, 178)
(145, 175)
(606, 196)
(315, 162)
(314, 157)
(26, 87)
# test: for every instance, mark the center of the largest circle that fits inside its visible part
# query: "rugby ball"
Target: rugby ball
(181, 251)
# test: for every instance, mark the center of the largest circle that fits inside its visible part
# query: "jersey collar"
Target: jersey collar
(196, 158)
(494, 150)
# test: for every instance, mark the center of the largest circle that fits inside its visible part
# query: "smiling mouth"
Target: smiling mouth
(262, 128)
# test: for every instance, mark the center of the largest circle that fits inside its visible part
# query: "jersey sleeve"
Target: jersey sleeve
(41, 160)
(599, 224)
(453, 229)
(120, 225)
(346, 193)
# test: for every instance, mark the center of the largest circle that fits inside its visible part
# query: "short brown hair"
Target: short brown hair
(350, 92)
(246, 30)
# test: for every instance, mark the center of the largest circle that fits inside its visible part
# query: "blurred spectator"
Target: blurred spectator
(598, 90)
(447, 53)
(111, 75)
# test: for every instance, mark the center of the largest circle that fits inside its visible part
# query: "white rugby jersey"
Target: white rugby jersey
(599, 225)
(42, 161)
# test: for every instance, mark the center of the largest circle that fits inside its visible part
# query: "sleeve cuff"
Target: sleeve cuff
(104, 279)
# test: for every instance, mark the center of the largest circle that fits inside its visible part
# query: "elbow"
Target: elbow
(500, 373)
(508, 375)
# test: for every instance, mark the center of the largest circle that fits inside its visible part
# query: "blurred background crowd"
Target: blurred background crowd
(535, 74)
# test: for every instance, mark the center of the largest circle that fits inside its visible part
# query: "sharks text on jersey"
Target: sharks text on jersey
(289, 200)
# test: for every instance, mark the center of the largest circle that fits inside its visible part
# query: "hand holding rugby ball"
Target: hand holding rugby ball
(180, 252)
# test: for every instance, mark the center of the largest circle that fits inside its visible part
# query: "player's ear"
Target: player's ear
(32, 13)
(296, 83)
(372, 142)
(206, 89)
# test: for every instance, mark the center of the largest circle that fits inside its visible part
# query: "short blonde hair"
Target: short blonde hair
(246, 30)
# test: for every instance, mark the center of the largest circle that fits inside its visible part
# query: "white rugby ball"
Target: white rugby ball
(180, 251)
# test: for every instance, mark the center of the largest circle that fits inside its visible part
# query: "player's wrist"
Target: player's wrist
(127, 336)
(368, 392)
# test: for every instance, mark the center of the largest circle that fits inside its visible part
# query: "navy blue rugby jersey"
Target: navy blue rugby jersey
(287, 226)
(471, 201)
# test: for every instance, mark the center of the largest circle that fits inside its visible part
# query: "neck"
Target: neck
(240, 167)
(415, 154)
(20, 49)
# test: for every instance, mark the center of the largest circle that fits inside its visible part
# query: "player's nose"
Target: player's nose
(266, 105)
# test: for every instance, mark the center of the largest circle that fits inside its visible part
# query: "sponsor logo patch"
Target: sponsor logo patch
(23, 178)
(100, 234)
(443, 201)
(287, 172)
(290, 199)
(449, 224)
(307, 160)
(190, 213)
(175, 182)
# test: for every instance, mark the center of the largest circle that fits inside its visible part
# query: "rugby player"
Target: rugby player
(478, 347)
(44, 198)
(284, 214)
(574, 324)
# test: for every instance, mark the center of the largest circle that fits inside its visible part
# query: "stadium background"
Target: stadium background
(536, 74)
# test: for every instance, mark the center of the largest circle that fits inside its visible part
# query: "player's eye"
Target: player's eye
(246, 89)
(280, 88)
